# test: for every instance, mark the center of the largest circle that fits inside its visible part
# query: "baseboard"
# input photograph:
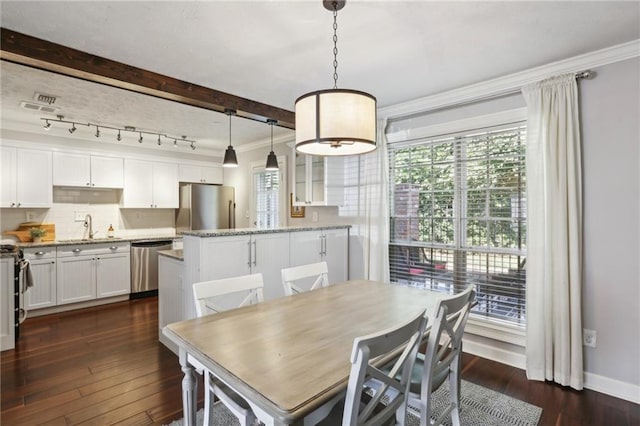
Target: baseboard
(595, 382)
(612, 387)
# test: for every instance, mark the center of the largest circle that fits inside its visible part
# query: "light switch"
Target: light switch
(314, 216)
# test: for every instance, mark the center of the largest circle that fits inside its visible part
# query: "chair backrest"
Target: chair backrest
(204, 292)
(444, 346)
(319, 271)
(395, 383)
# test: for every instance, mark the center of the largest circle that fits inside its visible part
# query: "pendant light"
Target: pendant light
(230, 159)
(335, 121)
(272, 160)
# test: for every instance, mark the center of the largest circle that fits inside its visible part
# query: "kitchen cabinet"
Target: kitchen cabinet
(200, 174)
(150, 184)
(175, 302)
(90, 171)
(90, 271)
(328, 245)
(43, 293)
(225, 257)
(26, 178)
(318, 181)
(7, 329)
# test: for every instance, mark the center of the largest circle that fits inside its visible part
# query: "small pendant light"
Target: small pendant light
(272, 160)
(230, 159)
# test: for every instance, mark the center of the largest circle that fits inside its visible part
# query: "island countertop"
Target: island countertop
(249, 231)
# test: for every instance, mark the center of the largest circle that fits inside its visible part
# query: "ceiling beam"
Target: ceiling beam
(34, 52)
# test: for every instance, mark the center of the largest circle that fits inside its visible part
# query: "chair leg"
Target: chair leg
(454, 388)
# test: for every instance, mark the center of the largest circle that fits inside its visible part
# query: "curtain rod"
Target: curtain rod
(582, 75)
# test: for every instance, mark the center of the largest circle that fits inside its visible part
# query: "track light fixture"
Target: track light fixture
(272, 160)
(230, 159)
(131, 129)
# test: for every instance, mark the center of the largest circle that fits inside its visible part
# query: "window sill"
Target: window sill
(513, 334)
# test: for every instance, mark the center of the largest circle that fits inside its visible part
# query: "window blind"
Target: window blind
(267, 193)
(458, 216)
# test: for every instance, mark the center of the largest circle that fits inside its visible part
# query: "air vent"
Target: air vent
(37, 107)
(46, 99)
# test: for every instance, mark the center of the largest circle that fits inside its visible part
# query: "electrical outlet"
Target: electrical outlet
(31, 216)
(79, 216)
(314, 216)
(589, 338)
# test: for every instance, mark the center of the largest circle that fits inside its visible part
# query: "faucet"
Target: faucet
(88, 223)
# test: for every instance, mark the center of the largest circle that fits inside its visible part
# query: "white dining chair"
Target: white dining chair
(352, 409)
(250, 290)
(442, 359)
(296, 279)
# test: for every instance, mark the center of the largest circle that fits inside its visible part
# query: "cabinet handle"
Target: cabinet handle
(93, 184)
(113, 248)
(39, 253)
(151, 205)
(53, 261)
(249, 245)
(88, 184)
(19, 204)
(13, 204)
(255, 253)
(76, 250)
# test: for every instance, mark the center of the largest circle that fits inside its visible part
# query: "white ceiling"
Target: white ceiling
(275, 51)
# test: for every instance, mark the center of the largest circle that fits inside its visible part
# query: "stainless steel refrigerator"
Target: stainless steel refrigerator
(205, 207)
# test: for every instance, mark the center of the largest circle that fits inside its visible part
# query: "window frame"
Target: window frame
(482, 326)
(259, 166)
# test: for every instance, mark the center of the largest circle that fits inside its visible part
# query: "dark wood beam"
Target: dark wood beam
(34, 52)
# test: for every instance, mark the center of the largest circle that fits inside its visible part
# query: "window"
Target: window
(267, 197)
(458, 216)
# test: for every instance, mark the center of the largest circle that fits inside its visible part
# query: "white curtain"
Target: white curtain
(374, 224)
(554, 235)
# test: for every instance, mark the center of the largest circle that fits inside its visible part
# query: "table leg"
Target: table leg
(189, 390)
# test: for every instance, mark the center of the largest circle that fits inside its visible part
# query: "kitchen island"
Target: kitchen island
(224, 253)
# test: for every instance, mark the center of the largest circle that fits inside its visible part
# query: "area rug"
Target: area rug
(479, 406)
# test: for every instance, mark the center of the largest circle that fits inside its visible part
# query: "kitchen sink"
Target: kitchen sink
(87, 240)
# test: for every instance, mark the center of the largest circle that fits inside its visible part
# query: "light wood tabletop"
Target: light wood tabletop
(290, 355)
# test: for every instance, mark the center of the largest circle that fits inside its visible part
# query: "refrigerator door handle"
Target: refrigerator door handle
(230, 211)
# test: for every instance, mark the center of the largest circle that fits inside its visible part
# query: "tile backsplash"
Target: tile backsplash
(103, 205)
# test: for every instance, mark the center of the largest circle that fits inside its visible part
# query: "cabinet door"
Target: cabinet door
(336, 254)
(44, 291)
(225, 257)
(315, 185)
(306, 247)
(113, 274)
(171, 303)
(107, 172)
(76, 279)
(165, 185)
(191, 174)
(138, 184)
(71, 169)
(300, 196)
(269, 257)
(8, 177)
(7, 329)
(34, 178)
(212, 175)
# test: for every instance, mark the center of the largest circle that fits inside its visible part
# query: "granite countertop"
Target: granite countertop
(249, 231)
(99, 240)
(174, 254)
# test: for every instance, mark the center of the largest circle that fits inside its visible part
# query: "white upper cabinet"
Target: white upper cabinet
(150, 185)
(318, 181)
(26, 178)
(85, 170)
(200, 174)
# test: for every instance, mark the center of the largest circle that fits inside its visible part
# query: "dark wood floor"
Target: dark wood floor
(105, 365)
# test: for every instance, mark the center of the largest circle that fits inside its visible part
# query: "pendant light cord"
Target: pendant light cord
(230, 128)
(271, 123)
(335, 45)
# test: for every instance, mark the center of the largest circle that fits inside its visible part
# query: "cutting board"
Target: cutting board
(22, 233)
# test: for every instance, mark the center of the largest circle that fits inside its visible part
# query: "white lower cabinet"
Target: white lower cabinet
(7, 329)
(43, 293)
(247, 254)
(329, 245)
(87, 272)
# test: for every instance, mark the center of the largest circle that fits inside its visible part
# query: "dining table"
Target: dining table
(289, 356)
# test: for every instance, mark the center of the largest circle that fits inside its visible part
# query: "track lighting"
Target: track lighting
(47, 126)
(230, 159)
(272, 160)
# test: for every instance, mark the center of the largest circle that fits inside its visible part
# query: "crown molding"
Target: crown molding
(513, 82)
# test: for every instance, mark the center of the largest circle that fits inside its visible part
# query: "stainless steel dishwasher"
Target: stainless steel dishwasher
(144, 266)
